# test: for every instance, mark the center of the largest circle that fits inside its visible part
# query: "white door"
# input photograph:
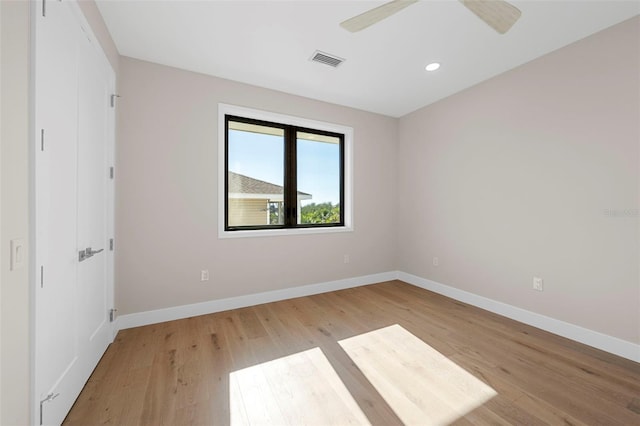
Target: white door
(73, 199)
(94, 134)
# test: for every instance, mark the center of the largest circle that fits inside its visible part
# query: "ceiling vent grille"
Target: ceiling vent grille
(327, 59)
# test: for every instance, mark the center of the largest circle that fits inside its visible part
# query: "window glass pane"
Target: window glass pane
(318, 173)
(255, 175)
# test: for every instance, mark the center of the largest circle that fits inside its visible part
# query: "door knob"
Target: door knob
(87, 253)
(91, 252)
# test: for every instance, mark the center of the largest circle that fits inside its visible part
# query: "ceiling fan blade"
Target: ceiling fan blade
(498, 14)
(372, 16)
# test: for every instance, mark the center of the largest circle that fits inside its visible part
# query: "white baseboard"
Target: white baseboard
(598, 340)
(203, 308)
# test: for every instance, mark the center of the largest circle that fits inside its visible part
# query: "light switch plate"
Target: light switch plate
(18, 254)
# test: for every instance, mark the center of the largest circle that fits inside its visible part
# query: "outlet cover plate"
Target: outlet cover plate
(538, 284)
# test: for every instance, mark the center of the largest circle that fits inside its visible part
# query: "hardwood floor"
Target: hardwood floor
(198, 371)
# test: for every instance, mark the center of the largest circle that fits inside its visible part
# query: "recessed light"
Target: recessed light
(432, 66)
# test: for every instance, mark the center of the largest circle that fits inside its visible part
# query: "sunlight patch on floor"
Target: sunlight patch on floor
(422, 386)
(299, 389)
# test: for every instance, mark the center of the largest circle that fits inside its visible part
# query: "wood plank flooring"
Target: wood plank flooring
(193, 371)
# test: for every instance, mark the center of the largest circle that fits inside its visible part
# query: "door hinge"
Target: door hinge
(113, 100)
(111, 172)
(49, 398)
(110, 244)
(42, 276)
(41, 139)
(112, 314)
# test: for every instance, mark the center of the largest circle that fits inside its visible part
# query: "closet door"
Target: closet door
(73, 199)
(94, 132)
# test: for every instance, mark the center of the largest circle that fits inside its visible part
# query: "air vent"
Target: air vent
(327, 59)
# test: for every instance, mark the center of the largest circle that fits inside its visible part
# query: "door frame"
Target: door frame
(36, 176)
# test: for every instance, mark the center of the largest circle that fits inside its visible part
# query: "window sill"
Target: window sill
(282, 232)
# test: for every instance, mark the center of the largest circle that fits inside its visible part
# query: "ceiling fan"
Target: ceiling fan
(498, 14)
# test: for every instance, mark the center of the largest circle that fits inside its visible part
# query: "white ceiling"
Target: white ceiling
(268, 43)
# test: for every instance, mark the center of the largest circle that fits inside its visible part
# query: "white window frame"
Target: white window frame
(226, 109)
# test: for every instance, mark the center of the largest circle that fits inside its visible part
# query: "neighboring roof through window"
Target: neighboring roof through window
(240, 186)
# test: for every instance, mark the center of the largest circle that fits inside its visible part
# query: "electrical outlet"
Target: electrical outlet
(346, 258)
(538, 284)
(204, 275)
(436, 261)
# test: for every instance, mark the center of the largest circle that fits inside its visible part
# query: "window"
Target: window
(282, 174)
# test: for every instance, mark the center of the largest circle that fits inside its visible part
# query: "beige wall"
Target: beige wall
(14, 133)
(534, 172)
(166, 208)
